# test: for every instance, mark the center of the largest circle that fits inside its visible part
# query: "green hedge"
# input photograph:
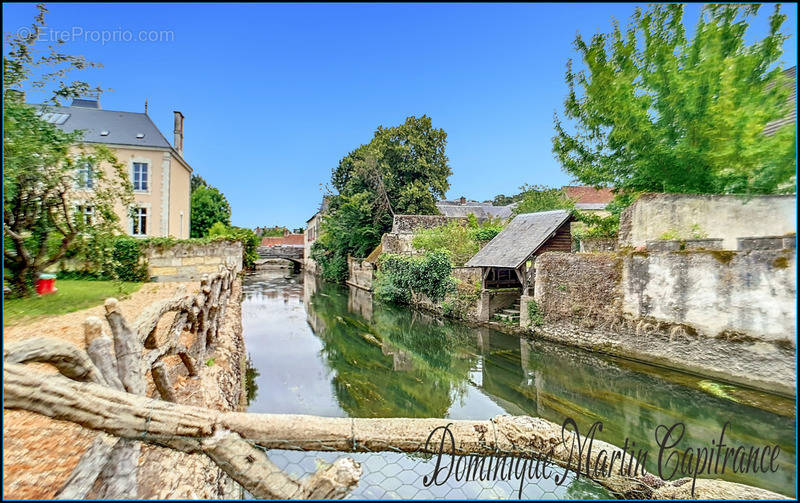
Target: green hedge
(399, 276)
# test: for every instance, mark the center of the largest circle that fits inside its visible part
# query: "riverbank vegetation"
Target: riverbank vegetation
(461, 240)
(402, 170)
(399, 277)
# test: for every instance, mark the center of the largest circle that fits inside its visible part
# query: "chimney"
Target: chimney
(178, 141)
(462, 200)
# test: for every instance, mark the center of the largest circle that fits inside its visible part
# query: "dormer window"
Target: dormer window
(139, 136)
(84, 176)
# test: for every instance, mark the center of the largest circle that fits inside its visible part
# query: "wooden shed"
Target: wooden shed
(507, 260)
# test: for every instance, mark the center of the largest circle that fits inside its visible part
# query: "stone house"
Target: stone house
(312, 232)
(159, 173)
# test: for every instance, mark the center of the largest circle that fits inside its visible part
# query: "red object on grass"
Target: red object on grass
(46, 284)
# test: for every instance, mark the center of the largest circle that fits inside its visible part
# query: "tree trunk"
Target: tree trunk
(229, 437)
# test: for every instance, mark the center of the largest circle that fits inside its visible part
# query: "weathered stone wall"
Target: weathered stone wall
(407, 224)
(190, 261)
(492, 301)
(578, 286)
(467, 275)
(722, 314)
(720, 294)
(398, 243)
(362, 273)
(594, 245)
(725, 217)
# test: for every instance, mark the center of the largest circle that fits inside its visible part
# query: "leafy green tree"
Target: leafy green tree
(45, 206)
(209, 206)
(655, 110)
(536, 198)
(402, 170)
(198, 181)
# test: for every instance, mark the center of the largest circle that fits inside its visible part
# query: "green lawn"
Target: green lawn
(72, 295)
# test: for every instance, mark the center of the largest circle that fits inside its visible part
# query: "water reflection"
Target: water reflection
(349, 356)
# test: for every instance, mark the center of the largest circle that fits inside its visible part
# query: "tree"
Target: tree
(402, 170)
(657, 111)
(535, 198)
(44, 207)
(209, 206)
(197, 181)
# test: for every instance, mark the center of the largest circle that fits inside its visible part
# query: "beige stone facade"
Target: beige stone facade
(160, 176)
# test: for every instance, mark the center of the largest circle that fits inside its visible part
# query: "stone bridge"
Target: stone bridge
(287, 252)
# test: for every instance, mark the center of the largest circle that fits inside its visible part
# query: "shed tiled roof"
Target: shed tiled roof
(521, 237)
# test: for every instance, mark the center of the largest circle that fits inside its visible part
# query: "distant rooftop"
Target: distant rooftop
(482, 210)
(588, 195)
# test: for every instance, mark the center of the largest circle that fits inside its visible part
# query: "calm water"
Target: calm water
(325, 350)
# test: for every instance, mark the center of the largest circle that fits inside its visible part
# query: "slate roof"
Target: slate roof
(122, 127)
(521, 237)
(482, 211)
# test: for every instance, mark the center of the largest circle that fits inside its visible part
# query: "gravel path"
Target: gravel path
(39, 453)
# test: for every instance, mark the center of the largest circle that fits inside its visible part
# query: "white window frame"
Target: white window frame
(138, 213)
(149, 175)
(88, 182)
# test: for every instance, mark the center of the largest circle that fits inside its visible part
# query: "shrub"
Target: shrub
(126, 260)
(248, 238)
(400, 276)
(461, 240)
(535, 314)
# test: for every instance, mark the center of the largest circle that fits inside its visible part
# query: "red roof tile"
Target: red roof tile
(583, 194)
(291, 239)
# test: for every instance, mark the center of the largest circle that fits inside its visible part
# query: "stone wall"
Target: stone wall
(467, 275)
(190, 261)
(719, 294)
(726, 217)
(717, 313)
(572, 286)
(593, 245)
(407, 224)
(362, 273)
(398, 243)
(492, 301)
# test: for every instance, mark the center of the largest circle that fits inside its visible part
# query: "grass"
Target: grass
(72, 295)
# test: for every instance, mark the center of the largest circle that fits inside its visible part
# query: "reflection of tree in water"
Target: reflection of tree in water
(398, 365)
(250, 375)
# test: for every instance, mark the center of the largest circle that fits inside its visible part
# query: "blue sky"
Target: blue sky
(275, 95)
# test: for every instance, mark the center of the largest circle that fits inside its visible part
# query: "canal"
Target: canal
(322, 349)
